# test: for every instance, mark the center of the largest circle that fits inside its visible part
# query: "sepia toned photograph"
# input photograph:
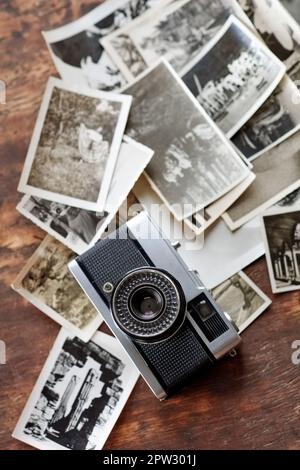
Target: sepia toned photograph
(177, 31)
(276, 118)
(79, 395)
(277, 175)
(76, 48)
(243, 300)
(281, 228)
(193, 164)
(78, 228)
(77, 138)
(46, 282)
(274, 23)
(233, 76)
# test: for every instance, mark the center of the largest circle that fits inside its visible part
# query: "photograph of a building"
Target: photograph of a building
(282, 236)
(79, 395)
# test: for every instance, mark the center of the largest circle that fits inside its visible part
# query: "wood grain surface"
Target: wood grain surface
(250, 402)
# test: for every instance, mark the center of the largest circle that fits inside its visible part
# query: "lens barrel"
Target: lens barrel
(148, 304)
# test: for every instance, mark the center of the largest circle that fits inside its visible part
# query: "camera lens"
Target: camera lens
(146, 303)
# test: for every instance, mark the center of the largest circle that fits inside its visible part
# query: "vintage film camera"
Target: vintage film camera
(159, 310)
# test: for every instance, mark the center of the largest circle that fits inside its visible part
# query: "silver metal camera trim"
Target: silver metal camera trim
(132, 352)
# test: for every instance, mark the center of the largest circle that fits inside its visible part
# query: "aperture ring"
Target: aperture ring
(146, 277)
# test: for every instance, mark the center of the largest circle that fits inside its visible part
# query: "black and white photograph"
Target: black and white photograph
(46, 282)
(281, 229)
(243, 300)
(79, 395)
(193, 164)
(233, 76)
(291, 200)
(177, 31)
(76, 48)
(277, 175)
(276, 26)
(72, 226)
(77, 138)
(78, 228)
(272, 122)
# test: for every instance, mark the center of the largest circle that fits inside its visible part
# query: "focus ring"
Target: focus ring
(146, 277)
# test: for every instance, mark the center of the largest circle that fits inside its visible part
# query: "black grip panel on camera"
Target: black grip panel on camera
(178, 358)
(124, 256)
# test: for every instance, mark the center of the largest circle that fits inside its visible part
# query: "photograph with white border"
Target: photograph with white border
(47, 283)
(242, 299)
(78, 228)
(177, 32)
(193, 164)
(281, 232)
(76, 139)
(277, 175)
(233, 75)
(274, 120)
(76, 50)
(79, 395)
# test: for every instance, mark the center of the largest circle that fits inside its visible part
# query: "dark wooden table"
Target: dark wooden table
(250, 402)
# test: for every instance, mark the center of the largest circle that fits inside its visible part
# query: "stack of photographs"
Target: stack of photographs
(194, 165)
(189, 109)
(76, 49)
(177, 31)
